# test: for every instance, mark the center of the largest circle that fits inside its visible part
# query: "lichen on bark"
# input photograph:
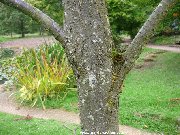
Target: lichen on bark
(99, 66)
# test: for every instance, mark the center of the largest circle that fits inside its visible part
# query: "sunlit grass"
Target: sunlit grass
(166, 40)
(16, 125)
(149, 96)
(147, 100)
(4, 38)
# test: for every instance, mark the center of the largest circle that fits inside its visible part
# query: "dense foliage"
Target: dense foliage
(13, 21)
(126, 12)
(43, 73)
(39, 74)
(171, 23)
(53, 8)
(125, 16)
(5, 69)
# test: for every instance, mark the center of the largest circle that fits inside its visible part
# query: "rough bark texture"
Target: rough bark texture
(99, 66)
(89, 44)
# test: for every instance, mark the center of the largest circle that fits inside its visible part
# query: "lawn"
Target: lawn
(5, 38)
(166, 40)
(13, 125)
(150, 98)
(17, 36)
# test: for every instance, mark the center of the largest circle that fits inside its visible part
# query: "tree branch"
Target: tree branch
(145, 33)
(38, 16)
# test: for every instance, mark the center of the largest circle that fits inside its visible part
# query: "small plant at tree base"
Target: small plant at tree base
(6, 53)
(43, 73)
(6, 73)
(6, 68)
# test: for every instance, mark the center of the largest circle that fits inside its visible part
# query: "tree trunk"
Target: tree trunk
(89, 48)
(11, 34)
(10, 30)
(99, 66)
(22, 28)
(41, 30)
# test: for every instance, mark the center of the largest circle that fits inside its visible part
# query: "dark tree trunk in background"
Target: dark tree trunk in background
(41, 30)
(22, 27)
(11, 33)
(100, 67)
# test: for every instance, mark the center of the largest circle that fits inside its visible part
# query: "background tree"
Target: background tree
(13, 21)
(166, 27)
(53, 8)
(127, 12)
(134, 13)
(20, 23)
(6, 23)
(99, 66)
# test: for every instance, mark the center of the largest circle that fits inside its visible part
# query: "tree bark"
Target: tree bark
(99, 66)
(89, 47)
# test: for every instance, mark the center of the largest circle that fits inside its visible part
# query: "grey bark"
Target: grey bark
(99, 66)
(89, 44)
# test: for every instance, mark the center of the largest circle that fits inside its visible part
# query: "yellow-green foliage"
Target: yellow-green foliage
(40, 77)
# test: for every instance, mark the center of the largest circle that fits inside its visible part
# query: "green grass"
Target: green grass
(29, 35)
(166, 40)
(10, 126)
(17, 36)
(147, 98)
(4, 39)
(69, 103)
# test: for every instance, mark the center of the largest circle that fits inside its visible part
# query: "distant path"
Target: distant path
(28, 42)
(165, 48)
(35, 41)
(8, 105)
(172, 48)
